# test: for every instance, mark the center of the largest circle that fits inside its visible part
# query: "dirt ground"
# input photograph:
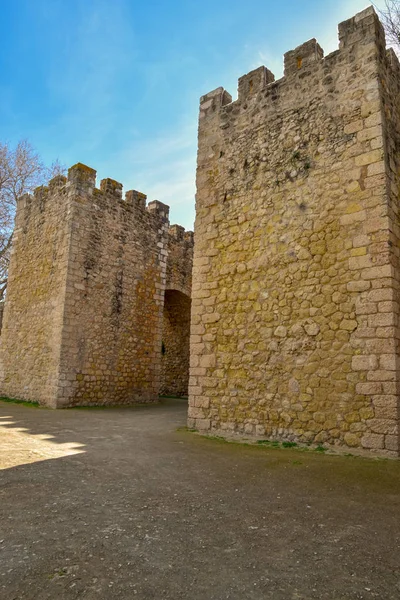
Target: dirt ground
(120, 503)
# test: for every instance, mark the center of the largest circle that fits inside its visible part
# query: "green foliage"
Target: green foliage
(22, 402)
(320, 449)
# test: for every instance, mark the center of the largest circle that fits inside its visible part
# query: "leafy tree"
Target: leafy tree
(21, 171)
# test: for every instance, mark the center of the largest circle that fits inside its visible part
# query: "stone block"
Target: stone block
(373, 441)
(364, 363)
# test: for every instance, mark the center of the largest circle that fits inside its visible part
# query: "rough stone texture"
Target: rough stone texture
(33, 314)
(1, 314)
(175, 344)
(176, 320)
(84, 310)
(295, 329)
(180, 260)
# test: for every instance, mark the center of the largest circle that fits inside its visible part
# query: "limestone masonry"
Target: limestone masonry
(176, 320)
(83, 320)
(295, 303)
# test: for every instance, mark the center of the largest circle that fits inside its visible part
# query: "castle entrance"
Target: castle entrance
(175, 344)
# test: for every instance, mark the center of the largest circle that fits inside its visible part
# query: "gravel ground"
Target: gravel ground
(120, 503)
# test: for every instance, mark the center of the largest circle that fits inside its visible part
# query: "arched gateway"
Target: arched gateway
(176, 317)
(175, 344)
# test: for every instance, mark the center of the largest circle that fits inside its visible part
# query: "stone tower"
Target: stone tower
(295, 318)
(84, 310)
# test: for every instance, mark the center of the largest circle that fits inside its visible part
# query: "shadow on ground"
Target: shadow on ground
(118, 503)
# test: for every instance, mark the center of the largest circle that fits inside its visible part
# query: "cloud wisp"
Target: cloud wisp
(164, 168)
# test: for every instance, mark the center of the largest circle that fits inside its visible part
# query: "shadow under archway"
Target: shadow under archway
(175, 344)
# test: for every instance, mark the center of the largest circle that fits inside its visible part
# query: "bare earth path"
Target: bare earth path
(116, 503)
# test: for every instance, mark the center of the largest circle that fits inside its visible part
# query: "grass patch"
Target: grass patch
(95, 407)
(319, 449)
(30, 404)
(268, 444)
(110, 406)
(217, 438)
(276, 444)
(187, 429)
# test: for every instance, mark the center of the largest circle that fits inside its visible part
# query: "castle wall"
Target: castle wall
(176, 319)
(175, 344)
(114, 296)
(389, 407)
(83, 316)
(180, 260)
(33, 314)
(295, 296)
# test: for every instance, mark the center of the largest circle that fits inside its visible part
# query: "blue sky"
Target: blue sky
(115, 84)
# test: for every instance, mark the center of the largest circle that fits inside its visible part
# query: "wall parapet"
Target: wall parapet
(303, 62)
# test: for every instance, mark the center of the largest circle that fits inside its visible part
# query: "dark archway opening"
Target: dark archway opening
(175, 344)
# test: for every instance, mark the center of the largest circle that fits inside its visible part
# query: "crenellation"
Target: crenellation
(158, 209)
(302, 57)
(57, 181)
(253, 82)
(313, 69)
(177, 232)
(188, 236)
(111, 187)
(361, 29)
(136, 199)
(40, 192)
(213, 101)
(80, 174)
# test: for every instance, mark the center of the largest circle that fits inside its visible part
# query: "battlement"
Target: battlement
(302, 57)
(306, 63)
(111, 187)
(179, 234)
(82, 179)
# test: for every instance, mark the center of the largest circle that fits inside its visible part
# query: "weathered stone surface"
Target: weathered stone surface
(175, 344)
(296, 264)
(176, 319)
(84, 312)
(1, 314)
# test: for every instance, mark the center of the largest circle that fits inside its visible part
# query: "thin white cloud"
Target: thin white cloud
(163, 168)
